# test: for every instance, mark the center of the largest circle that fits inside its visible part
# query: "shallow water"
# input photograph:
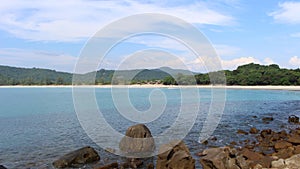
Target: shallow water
(37, 125)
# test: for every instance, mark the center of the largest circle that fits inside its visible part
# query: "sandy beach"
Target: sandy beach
(296, 88)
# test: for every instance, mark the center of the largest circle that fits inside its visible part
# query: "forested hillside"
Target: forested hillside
(32, 76)
(250, 74)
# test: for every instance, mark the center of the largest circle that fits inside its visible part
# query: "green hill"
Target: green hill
(32, 76)
(250, 74)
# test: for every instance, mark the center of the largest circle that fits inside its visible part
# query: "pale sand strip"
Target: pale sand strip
(165, 86)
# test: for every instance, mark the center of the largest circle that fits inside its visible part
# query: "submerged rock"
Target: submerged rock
(108, 166)
(267, 119)
(175, 155)
(76, 158)
(132, 163)
(138, 139)
(293, 119)
(242, 132)
(253, 130)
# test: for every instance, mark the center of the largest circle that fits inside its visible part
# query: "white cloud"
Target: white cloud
(233, 64)
(77, 19)
(38, 59)
(288, 12)
(295, 61)
(268, 61)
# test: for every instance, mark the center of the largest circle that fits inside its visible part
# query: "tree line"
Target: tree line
(250, 74)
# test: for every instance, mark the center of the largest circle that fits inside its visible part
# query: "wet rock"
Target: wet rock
(132, 163)
(282, 145)
(108, 166)
(267, 119)
(293, 119)
(76, 158)
(204, 142)
(254, 130)
(233, 143)
(2, 167)
(266, 133)
(138, 139)
(242, 132)
(213, 138)
(175, 155)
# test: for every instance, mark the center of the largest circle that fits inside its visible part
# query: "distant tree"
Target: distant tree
(169, 80)
(59, 81)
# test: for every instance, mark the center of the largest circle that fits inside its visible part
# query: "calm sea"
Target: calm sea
(37, 125)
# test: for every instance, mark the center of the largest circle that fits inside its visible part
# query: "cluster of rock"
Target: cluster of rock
(77, 158)
(174, 155)
(270, 150)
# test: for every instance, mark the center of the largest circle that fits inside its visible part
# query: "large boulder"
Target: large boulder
(219, 158)
(76, 158)
(138, 139)
(175, 155)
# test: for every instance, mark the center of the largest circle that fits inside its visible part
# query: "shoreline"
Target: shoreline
(293, 88)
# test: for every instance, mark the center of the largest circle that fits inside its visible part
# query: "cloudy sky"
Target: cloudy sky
(51, 34)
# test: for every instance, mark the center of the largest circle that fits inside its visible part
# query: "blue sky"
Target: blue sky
(51, 34)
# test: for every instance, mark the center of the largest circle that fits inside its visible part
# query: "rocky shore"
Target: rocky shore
(271, 149)
(263, 149)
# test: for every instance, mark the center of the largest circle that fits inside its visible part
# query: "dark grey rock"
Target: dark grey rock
(76, 158)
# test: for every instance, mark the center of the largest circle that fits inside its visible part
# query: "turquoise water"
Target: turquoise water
(37, 125)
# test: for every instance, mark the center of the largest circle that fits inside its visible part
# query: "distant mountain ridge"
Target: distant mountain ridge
(37, 76)
(249, 74)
